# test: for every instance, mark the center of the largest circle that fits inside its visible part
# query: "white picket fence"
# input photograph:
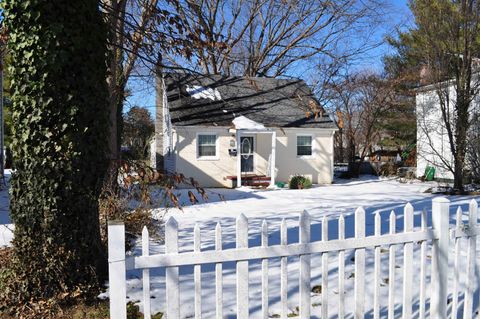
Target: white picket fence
(438, 236)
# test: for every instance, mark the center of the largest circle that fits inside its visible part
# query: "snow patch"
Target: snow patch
(243, 123)
(6, 235)
(199, 92)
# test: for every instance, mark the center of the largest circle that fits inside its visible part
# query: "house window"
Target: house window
(304, 145)
(207, 145)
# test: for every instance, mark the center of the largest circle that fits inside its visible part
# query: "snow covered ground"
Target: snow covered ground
(343, 197)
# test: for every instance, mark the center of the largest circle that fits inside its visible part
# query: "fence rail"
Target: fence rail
(439, 235)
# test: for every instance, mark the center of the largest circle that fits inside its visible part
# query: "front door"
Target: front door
(247, 144)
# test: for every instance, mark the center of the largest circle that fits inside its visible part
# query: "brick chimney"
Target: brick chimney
(158, 159)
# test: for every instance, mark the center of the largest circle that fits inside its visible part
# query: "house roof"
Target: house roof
(214, 100)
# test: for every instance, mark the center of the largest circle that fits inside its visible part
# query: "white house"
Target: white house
(433, 145)
(221, 130)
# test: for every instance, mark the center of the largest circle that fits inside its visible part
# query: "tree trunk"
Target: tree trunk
(59, 147)
(113, 141)
(353, 167)
(461, 129)
(116, 83)
(458, 174)
(341, 149)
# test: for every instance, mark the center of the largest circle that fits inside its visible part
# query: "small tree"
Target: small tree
(138, 129)
(59, 102)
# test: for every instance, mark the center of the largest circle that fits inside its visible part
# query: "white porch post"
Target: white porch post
(272, 161)
(239, 161)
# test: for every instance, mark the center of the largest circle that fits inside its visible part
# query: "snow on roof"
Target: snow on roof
(244, 123)
(199, 92)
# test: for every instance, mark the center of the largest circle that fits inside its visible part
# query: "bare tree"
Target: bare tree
(360, 100)
(269, 37)
(139, 31)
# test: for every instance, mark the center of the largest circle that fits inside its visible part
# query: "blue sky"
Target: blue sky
(143, 92)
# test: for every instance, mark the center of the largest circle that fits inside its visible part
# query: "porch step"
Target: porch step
(253, 183)
(256, 183)
(251, 180)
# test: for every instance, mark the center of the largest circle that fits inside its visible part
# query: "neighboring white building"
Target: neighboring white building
(219, 130)
(433, 145)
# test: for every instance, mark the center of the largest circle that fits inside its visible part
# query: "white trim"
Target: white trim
(257, 132)
(207, 158)
(269, 129)
(201, 127)
(312, 136)
(308, 130)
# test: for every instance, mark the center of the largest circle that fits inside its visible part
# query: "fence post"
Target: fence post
(117, 270)
(242, 268)
(471, 261)
(440, 223)
(172, 288)
(147, 311)
(359, 279)
(305, 267)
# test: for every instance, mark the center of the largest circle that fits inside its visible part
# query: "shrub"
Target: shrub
(389, 169)
(299, 182)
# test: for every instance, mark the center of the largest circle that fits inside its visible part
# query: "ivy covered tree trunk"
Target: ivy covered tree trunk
(59, 147)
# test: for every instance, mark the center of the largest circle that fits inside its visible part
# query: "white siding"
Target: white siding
(208, 172)
(433, 145)
(213, 172)
(432, 140)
